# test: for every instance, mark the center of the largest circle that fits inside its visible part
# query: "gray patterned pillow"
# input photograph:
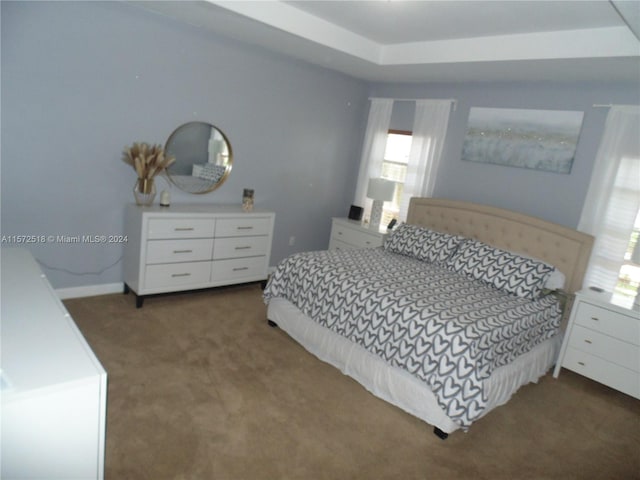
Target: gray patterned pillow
(422, 243)
(506, 271)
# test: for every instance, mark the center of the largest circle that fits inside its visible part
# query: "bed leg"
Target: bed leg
(272, 323)
(440, 434)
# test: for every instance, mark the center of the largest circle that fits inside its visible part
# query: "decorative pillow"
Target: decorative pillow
(506, 271)
(422, 243)
(556, 279)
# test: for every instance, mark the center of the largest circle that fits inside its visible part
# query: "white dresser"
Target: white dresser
(187, 247)
(53, 387)
(346, 233)
(602, 342)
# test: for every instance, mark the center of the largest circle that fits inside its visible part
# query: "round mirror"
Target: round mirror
(203, 157)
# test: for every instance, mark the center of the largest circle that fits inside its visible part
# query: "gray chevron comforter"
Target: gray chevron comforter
(444, 328)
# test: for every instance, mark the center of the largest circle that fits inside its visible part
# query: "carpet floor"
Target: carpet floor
(200, 387)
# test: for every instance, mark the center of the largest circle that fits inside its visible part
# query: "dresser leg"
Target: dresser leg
(139, 301)
(126, 289)
(271, 323)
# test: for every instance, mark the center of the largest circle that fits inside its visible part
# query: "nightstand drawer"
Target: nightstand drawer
(606, 347)
(357, 238)
(235, 247)
(174, 275)
(173, 251)
(180, 228)
(340, 245)
(615, 376)
(236, 268)
(240, 227)
(608, 322)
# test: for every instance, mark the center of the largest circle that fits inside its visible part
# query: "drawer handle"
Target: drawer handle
(595, 319)
(180, 274)
(237, 269)
(588, 341)
(183, 229)
(182, 251)
(245, 228)
(243, 248)
(582, 364)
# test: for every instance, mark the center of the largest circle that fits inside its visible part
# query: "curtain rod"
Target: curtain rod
(452, 100)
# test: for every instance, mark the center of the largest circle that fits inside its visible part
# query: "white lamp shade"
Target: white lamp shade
(380, 189)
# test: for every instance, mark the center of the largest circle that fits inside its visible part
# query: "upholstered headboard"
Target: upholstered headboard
(567, 249)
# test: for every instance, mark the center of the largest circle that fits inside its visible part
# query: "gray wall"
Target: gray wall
(82, 80)
(554, 197)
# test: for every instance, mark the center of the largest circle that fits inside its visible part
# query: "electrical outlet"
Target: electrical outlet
(292, 241)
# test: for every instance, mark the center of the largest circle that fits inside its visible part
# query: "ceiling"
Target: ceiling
(435, 41)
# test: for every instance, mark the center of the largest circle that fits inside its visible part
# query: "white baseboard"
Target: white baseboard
(90, 290)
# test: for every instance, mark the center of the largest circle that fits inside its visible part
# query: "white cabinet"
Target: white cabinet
(186, 247)
(53, 387)
(602, 342)
(346, 233)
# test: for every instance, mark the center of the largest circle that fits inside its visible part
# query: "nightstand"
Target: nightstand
(602, 342)
(347, 233)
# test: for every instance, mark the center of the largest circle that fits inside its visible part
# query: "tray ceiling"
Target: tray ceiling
(435, 41)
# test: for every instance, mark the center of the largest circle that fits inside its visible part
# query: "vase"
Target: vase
(144, 191)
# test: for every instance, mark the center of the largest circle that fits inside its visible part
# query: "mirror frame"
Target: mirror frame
(228, 166)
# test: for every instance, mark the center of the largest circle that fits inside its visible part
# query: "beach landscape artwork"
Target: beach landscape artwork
(535, 139)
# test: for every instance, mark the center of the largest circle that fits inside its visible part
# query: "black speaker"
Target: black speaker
(355, 213)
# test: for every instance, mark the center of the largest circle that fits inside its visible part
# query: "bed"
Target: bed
(459, 308)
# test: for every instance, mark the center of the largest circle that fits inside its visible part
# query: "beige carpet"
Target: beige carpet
(201, 388)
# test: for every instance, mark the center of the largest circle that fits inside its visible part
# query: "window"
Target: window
(629, 277)
(394, 168)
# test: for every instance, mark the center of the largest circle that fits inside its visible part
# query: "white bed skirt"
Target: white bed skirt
(397, 386)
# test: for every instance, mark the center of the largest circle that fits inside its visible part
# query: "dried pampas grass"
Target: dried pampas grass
(146, 160)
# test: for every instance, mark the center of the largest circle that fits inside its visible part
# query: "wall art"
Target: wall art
(535, 139)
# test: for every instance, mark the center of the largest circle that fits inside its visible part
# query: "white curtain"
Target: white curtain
(429, 131)
(375, 141)
(613, 198)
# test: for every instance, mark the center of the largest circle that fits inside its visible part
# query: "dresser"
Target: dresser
(346, 233)
(53, 389)
(187, 247)
(602, 342)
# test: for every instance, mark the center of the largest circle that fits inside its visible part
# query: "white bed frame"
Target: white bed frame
(566, 249)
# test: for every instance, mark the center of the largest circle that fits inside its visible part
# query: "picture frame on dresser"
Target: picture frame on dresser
(602, 341)
(194, 246)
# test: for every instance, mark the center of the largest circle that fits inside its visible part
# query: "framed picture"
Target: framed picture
(536, 139)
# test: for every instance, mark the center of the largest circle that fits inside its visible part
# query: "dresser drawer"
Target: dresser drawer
(357, 238)
(615, 376)
(604, 346)
(174, 251)
(608, 322)
(180, 228)
(174, 275)
(240, 227)
(237, 268)
(235, 247)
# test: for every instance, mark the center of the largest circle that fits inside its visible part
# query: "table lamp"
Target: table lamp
(380, 191)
